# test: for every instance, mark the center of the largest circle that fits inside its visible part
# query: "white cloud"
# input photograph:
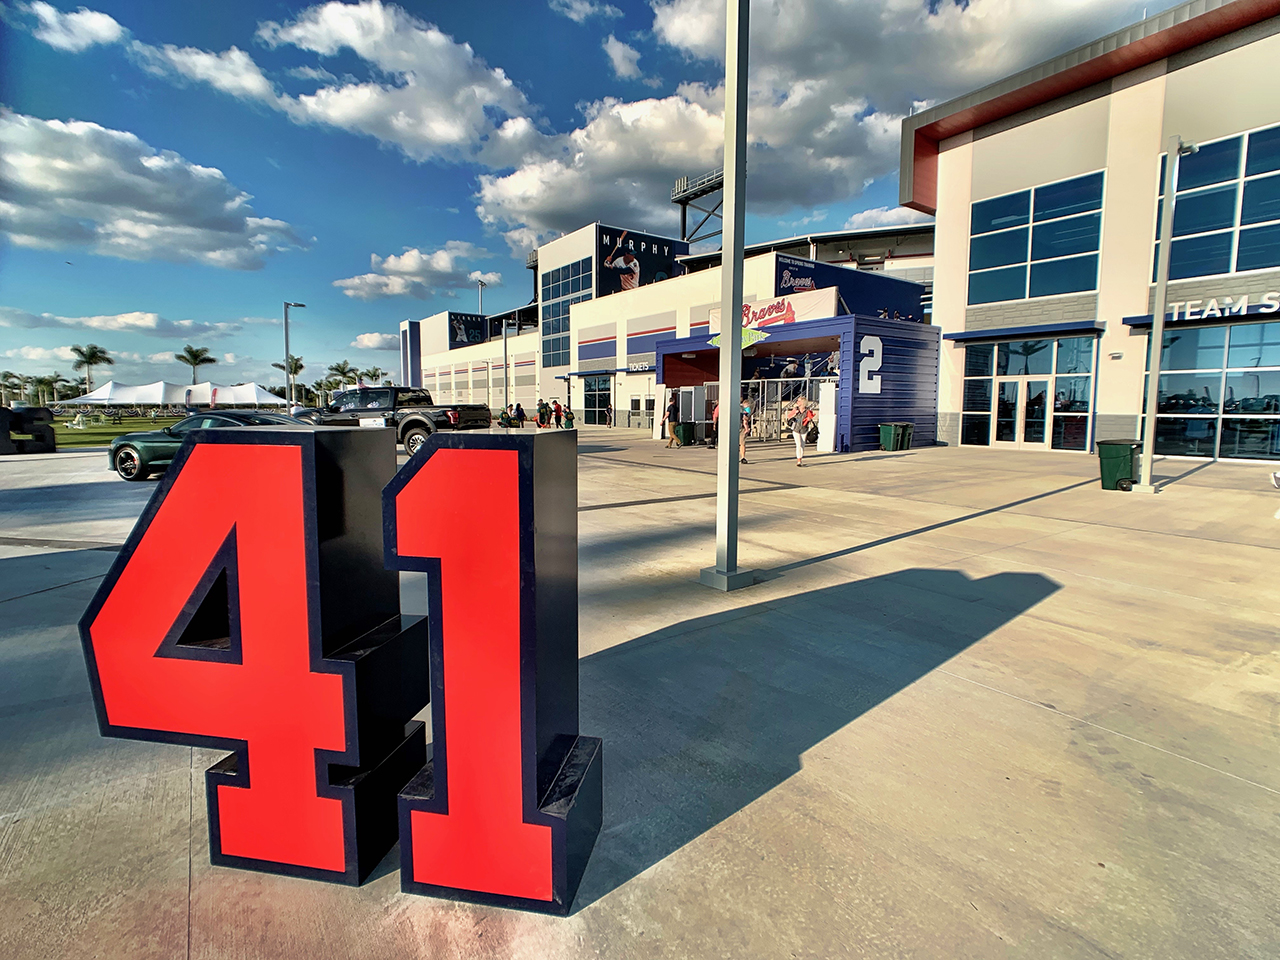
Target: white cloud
(885, 217)
(233, 71)
(623, 58)
(161, 357)
(73, 32)
(417, 274)
(830, 84)
(149, 324)
(80, 184)
(376, 341)
(433, 97)
(580, 10)
(40, 353)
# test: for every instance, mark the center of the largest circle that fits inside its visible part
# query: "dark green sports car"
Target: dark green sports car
(135, 456)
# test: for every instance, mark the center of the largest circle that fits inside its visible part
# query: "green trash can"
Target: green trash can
(1117, 461)
(907, 430)
(684, 433)
(890, 436)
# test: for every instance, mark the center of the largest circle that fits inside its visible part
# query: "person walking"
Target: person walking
(520, 415)
(568, 417)
(558, 411)
(743, 431)
(542, 414)
(672, 419)
(608, 414)
(715, 425)
(799, 416)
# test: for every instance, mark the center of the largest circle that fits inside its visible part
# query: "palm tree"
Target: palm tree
(291, 371)
(343, 372)
(194, 357)
(87, 357)
(10, 382)
(374, 375)
(55, 382)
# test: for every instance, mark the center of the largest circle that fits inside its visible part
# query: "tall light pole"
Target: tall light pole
(288, 367)
(725, 575)
(1175, 152)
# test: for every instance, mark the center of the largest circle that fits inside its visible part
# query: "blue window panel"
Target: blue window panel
(1202, 212)
(978, 359)
(1259, 247)
(1215, 163)
(1200, 256)
(1191, 348)
(1264, 152)
(1261, 201)
(992, 286)
(998, 249)
(1000, 213)
(1255, 345)
(1063, 238)
(1072, 196)
(575, 284)
(1064, 276)
(1164, 160)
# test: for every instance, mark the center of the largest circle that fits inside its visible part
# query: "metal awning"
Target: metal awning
(1039, 329)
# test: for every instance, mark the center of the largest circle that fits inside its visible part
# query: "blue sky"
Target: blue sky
(171, 172)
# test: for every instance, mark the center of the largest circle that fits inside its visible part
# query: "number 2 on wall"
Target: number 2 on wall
(872, 353)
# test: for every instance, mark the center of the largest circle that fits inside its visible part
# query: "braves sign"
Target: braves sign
(811, 305)
(259, 613)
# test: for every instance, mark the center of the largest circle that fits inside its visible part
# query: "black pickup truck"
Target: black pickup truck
(409, 409)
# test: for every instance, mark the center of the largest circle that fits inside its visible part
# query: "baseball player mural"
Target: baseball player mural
(629, 260)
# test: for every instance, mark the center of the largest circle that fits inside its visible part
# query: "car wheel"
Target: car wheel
(414, 438)
(129, 465)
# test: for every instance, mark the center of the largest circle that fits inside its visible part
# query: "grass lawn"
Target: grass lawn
(102, 435)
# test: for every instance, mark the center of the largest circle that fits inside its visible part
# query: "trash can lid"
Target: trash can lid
(1119, 442)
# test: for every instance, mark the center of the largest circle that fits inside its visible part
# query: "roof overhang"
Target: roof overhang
(1185, 26)
(1036, 330)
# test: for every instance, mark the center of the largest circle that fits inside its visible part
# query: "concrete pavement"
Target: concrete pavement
(978, 707)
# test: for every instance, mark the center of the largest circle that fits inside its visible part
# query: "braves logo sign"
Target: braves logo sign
(260, 614)
(774, 311)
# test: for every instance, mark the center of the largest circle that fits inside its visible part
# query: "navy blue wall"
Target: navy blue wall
(865, 293)
(907, 380)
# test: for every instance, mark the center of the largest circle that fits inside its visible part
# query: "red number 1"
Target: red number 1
(508, 809)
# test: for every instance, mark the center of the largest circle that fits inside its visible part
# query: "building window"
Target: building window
(1226, 215)
(561, 288)
(1014, 381)
(1036, 243)
(1219, 392)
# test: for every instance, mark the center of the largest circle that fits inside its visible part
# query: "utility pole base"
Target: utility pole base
(1145, 488)
(720, 580)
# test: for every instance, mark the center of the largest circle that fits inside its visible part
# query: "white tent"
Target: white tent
(178, 394)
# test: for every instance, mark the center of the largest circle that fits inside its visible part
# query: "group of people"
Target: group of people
(548, 415)
(799, 417)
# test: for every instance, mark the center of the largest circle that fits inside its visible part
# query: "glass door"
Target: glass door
(1035, 414)
(1022, 414)
(1007, 396)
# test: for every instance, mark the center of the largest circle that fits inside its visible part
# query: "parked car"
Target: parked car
(135, 456)
(409, 409)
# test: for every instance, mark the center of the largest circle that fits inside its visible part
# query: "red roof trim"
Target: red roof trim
(1183, 36)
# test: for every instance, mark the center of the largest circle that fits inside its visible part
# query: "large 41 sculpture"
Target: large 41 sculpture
(255, 607)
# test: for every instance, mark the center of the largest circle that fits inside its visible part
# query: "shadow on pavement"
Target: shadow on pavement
(703, 718)
(775, 572)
